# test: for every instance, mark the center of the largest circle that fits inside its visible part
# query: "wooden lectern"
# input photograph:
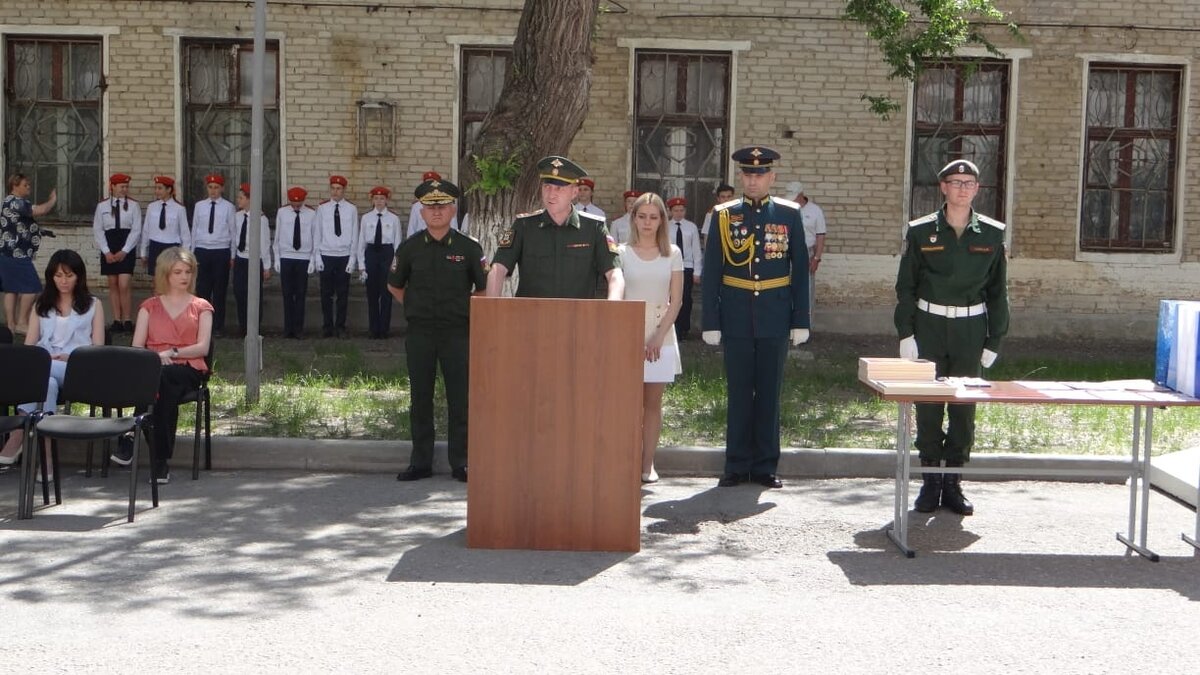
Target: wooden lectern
(555, 424)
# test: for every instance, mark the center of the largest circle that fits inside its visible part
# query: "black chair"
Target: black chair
(109, 378)
(26, 375)
(203, 400)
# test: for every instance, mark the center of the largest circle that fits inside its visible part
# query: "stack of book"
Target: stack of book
(894, 376)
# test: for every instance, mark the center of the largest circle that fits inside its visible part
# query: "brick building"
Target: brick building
(1081, 129)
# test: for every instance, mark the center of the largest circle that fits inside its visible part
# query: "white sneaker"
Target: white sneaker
(651, 477)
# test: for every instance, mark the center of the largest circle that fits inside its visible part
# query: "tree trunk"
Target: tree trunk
(542, 107)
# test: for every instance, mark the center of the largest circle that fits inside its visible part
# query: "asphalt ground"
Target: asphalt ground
(287, 571)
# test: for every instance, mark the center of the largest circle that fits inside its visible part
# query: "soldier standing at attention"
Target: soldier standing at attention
(587, 188)
(295, 258)
(434, 275)
(212, 241)
(378, 236)
(337, 234)
(165, 226)
(118, 227)
(952, 309)
(560, 251)
(755, 292)
(241, 257)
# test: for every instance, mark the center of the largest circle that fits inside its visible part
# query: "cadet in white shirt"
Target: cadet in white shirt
(212, 242)
(724, 194)
(117, 226)
(165, 225)
(295, 258)
(583, 202)
(684, 234)
(337, 235)
(814, 237)
(378, 235)
(416, 223)
(620, 227)
(241, 259)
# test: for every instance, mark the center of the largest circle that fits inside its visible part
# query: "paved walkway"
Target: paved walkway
(274, 571)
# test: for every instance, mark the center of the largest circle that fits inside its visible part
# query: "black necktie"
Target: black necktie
(679, 236)
(116, 210)
(337, 220)
(379, 229)
(162, 217)
(212, 217)
(242, 236)
(296, 232)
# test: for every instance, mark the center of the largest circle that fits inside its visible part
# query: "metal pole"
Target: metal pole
(253, 344)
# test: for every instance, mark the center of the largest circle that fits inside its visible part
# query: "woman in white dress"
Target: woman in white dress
(653, 270)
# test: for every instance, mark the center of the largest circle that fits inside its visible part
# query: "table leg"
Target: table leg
(1195, 540)
(1140, 478)
(898, 532)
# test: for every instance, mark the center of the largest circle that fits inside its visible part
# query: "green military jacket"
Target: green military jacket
(438, 278)
(944, 269)
(557, 261)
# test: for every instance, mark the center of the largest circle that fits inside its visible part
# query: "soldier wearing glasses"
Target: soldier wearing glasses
(952, 309)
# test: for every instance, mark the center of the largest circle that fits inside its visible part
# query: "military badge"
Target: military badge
(933, 238)
(456, 258)
(612, 243)
(506, 239)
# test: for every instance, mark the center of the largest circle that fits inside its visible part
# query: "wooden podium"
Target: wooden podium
(555, 424)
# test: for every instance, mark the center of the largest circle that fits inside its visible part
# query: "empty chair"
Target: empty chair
(26, 375)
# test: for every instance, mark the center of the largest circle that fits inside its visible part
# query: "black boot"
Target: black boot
(952, 494)
(931, 489)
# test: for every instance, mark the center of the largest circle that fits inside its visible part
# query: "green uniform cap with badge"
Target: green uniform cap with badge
(556, 170)
(436, 191)
(755, 159)
(958, 167)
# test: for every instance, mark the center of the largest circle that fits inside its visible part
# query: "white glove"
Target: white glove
(908, 348)
(362, 276)
(711, 337)
(320, 264)
(312, 266)
(277, 270)
(350, 267)
(988, 358)
(799, 336)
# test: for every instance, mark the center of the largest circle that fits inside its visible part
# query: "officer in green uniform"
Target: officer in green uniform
(433, 275)
(755, 293)
(952, 309)
(560, 251)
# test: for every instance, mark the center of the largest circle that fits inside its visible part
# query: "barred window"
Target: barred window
(483, 70)
(376, 129)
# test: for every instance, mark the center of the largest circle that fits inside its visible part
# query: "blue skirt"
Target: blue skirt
(17, 275)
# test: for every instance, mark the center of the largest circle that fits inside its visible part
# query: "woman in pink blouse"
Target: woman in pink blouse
(178, 325)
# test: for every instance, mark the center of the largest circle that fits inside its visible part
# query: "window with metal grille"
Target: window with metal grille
(960, 111)
(483, 70)
(376, 129)
(53, 96)
(1129, 161)
(218, 93)
(681, 125)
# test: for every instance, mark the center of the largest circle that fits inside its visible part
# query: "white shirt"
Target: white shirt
(105, 220)
(620, 229)
(371, 221)
(693, 256)
(285, 225)
(814, 222)
(174, 231)
(416, 223)
(592, 209)
(328, 242)
(264, 238)
(222, 224)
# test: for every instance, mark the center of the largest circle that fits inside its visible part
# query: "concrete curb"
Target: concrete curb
(357, 456)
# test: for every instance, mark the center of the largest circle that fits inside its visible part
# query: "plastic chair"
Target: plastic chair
(109, 378)
(203, 400)
(26, 375)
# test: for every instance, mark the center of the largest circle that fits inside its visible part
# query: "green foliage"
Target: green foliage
(497, 173)
(911, 33)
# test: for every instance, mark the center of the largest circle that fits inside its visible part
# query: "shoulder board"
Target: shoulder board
(325, 201)
(103, 200)
(350, 203)
(728, 204)
(990, 221)
(931, 218)
(531, 213)
(592, 216)
(131, 199)
(786, 202)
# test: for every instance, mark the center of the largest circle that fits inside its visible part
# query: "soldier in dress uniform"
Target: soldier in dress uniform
(952, 309)
(117, 227)
(295, 258)
(165, 225)
(378, 235)
(587, 188)
(212, 242)
(755, 292)
(337, 235)
(561, 251)
(434, 275)
(684, 234)
(241, 259)
(415, 222)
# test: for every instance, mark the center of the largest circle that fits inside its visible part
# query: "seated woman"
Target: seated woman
(178, 326)
(65, 316)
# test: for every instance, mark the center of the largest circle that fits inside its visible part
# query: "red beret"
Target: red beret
(245, 187)
(214, 178)
(164, 180)
(430, 175)
(296, 194)
(338, 180)
(118, 178)
(632, 193)
(588, 182)
(380, 190)
(676, 201)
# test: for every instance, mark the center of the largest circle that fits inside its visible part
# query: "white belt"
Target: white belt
(951, 312)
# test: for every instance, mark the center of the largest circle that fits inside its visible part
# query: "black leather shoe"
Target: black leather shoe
(413, 473)
(459, 474)
(729, 479)
(327, 332)
(767, 480)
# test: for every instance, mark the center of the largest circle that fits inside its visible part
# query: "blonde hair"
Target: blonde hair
(661, 239)
(166, 260)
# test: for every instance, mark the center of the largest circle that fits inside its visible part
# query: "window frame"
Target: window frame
(467, 117)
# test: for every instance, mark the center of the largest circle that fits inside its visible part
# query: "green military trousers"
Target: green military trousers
(955, 346)
(426, 350)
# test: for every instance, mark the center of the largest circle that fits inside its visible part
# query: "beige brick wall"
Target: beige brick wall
(804, 73)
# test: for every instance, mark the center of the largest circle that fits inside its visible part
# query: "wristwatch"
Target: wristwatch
(174, 352)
